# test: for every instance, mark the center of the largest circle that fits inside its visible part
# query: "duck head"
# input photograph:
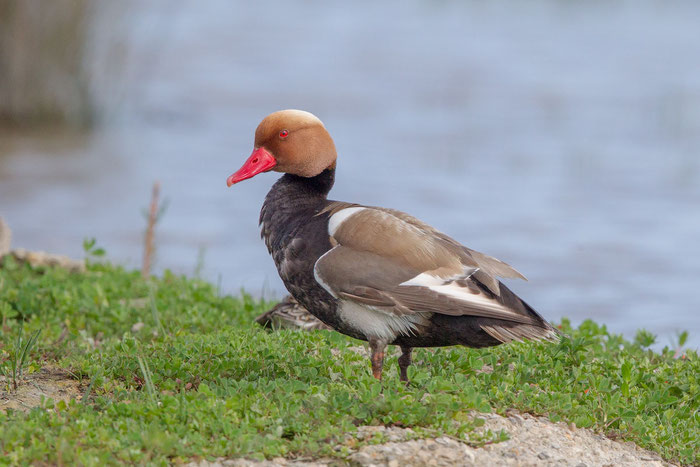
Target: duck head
(289, 141)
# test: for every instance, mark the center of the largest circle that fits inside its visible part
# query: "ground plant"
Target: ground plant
(170, 370)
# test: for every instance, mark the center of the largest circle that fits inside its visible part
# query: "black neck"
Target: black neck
(317, 186)
(295, 189)
(292, 194)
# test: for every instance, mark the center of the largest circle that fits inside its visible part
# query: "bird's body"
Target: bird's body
(371, 273)
(289, 314)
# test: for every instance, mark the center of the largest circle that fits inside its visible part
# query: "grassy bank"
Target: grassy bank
(170, 370)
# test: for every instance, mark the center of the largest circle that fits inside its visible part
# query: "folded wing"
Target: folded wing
(394, 264)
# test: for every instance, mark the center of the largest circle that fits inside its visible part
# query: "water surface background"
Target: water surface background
(562, 137)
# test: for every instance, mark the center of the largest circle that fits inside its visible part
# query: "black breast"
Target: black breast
(296, 234)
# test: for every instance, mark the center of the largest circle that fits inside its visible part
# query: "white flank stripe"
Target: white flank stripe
(428, 280)
(437, 284)
(339, 217)
(317, 276)
(424, 280)
(464, 295)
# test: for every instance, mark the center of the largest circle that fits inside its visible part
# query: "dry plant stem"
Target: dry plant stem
(148, 246)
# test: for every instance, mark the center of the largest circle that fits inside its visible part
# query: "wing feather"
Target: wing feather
(393, 263)
(408, 240)
(386, 286)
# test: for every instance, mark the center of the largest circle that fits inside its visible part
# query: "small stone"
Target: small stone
(581, 464)
(469, 456)
(543, 455)
(40, 258)
(517, 419)
(393, 463)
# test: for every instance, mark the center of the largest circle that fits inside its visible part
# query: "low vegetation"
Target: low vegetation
(171, 370)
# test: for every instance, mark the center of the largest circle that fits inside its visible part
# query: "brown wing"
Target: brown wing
(389, 286)
(410, 241)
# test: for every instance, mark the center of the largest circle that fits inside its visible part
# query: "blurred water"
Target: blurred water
(562, 137)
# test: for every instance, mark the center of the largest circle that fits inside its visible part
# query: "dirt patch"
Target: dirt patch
(534, 441)
(49, 382)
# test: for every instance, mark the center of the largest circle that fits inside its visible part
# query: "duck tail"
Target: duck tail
(508, 332)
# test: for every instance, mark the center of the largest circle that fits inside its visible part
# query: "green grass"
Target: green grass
(200, 379)
(13, 367)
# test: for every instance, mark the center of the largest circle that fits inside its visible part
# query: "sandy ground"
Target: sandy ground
(534, 441)
(48, 382)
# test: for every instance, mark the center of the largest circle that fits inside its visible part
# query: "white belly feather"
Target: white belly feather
(377, 323)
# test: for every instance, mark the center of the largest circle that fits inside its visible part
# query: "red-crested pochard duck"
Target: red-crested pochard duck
(288, 314)
(372, 273)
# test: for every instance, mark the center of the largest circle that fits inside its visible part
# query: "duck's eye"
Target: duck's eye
(284, 134)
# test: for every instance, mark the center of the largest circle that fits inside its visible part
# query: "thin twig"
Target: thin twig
(148, 246)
